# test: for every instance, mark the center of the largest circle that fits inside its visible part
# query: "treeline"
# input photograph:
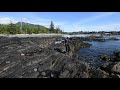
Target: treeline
(27, 29)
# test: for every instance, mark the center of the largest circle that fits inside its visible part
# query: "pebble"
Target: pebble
(22, 54)
(52, 75)
(7, 61)
(118, 75)
(35, 69)
(45, 77)
(43, 73)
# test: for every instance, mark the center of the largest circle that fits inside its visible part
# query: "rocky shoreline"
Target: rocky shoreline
(36, 57)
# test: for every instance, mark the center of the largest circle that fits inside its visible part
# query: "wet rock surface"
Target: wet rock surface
(112, 66)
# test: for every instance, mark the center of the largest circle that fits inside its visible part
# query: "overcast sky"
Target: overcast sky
(67, 21)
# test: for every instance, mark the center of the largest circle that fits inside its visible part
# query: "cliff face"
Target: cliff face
(41, 58)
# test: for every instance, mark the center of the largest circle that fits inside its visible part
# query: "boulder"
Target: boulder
(111, 67)
(105, 58)
(116, 68)
(117, 54)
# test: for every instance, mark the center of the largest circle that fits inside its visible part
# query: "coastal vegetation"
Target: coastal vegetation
(27, 28)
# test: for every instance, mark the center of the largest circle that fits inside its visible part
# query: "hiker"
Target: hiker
(66, 42)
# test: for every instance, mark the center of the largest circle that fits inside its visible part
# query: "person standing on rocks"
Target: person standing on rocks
(66, 42)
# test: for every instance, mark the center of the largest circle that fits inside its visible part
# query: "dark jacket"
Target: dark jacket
(66, 41)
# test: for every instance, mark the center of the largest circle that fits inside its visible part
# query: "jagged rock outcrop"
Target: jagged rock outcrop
(42, 58)
(112, 66)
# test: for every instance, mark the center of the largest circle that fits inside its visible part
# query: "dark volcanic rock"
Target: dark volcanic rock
(41, 58)
(75, 44)
(113, 68)
(105, 58)
(112, 65)
(113, 38)
(100, 39)
(116, 68)
(117, 54)
(20, 56)
(98, 73)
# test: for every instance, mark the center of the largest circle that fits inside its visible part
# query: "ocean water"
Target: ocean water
(93, 53)
(81, 35)
(86, 35)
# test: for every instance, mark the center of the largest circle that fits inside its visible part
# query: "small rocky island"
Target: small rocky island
(40, 57)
